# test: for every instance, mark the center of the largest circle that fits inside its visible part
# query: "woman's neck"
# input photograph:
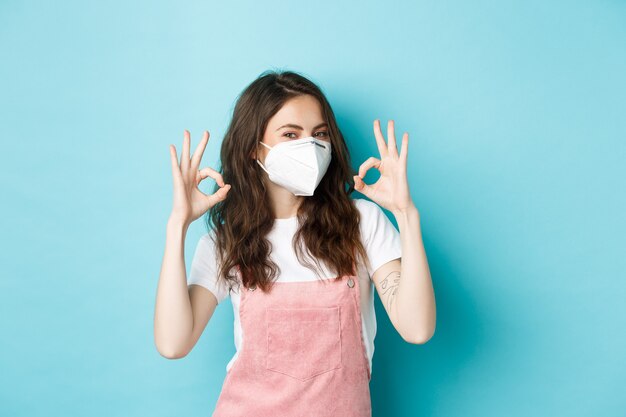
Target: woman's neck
(284, 203)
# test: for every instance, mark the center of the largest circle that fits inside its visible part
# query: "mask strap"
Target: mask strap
(259, 162)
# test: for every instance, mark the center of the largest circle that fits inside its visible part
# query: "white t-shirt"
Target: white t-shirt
(379, 236)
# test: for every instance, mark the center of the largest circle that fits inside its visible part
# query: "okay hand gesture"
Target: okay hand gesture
(189, 202)
(391, 191)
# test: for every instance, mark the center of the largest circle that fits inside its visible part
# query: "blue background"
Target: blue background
(515, 112)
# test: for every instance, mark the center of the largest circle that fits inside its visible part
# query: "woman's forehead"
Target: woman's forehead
(304, 111)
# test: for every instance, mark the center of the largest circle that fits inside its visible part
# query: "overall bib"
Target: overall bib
(302, 353)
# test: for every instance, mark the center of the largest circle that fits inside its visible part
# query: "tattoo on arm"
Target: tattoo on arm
(389, 287)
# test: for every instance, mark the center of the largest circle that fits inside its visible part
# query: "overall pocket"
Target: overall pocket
(303, 342)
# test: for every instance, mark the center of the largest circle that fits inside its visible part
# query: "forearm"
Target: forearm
(415, 299)
(173, 316)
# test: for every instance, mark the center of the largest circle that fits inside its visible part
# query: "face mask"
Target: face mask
(298, 164)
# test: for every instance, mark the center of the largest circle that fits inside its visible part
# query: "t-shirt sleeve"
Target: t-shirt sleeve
(204, 268)
(379, 236)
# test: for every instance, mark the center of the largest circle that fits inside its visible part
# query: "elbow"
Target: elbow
(418, 338)
(171, 352)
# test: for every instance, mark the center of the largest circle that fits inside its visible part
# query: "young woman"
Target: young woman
(298, 257)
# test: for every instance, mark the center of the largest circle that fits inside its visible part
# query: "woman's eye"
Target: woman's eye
(318, 134)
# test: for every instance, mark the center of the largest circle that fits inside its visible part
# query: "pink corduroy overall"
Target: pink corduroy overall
(302, 353)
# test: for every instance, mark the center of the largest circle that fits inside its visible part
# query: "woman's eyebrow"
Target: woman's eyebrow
(300, 127)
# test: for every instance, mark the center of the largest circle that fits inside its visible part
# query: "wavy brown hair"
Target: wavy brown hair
(328, 221)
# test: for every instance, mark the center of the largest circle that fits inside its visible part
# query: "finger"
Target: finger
(210, 172)
(218, 196)
(404, 148)
(197, 155)
(369, 163)
(176, 174)
(184, 157)
(380, 140)
(362, 187)
(391, 137)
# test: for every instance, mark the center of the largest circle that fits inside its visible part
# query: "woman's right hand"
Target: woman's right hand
(189, 202)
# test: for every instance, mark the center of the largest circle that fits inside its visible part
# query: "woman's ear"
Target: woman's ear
(254, 153)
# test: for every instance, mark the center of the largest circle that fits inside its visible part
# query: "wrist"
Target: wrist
(409, 211)
(407, 218)
(176, 223)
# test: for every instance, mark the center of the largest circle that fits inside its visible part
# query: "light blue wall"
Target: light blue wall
(516, 114)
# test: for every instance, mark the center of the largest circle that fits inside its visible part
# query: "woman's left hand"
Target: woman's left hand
(391, 191)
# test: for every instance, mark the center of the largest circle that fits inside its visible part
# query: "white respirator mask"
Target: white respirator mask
(298, 164)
